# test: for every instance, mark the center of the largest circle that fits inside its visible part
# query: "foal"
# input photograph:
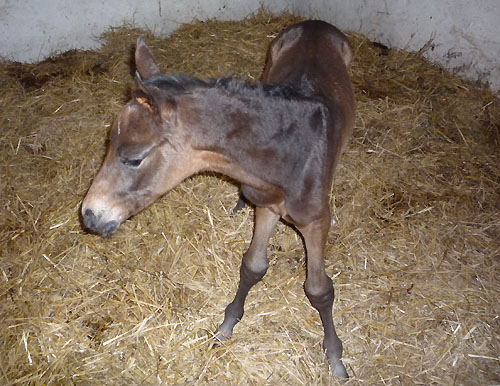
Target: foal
(282, 142)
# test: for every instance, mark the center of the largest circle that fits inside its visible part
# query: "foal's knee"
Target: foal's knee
(320, 295)
(252, 273)
(255, 263)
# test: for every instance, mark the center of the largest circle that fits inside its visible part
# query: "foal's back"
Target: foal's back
(314, 56)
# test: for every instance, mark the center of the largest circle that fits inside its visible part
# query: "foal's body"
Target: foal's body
(281, 142)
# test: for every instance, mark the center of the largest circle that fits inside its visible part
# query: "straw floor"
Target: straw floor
(415, 252)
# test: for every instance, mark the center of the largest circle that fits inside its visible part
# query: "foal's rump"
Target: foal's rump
(314, 56)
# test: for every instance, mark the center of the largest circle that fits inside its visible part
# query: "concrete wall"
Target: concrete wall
(31, 30)
(464, 35)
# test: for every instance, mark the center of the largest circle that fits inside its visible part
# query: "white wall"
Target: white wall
(31, 30)
(466, 34)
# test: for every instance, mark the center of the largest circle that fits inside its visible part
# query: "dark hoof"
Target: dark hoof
(220, 339)
(339, 370)
(240, 205)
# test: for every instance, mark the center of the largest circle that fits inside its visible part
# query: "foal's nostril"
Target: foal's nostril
(109, 227)
(89, 219)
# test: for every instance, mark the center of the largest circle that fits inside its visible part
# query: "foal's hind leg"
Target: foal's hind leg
(253, 268)
(240, 204)
(319, 289)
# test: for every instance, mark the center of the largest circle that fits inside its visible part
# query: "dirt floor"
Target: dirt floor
(414, 254)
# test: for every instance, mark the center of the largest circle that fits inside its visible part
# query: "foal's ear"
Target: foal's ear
(144, 60)
(143, 96)
(160, 105)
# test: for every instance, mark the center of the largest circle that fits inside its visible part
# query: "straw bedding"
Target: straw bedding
(415, 252)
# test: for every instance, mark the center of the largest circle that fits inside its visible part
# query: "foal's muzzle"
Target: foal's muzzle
(95, 224)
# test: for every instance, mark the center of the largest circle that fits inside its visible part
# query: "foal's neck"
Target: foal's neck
(235, 121)
(249, 132)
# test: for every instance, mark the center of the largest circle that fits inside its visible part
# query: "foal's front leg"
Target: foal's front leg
(253, 268)
(319, 289)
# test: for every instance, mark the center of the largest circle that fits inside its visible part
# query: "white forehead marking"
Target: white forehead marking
(119, 127)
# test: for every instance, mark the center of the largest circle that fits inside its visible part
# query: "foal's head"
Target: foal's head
(147, 155)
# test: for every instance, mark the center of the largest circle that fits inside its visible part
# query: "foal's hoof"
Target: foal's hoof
(220, 338)
(339, 370)
(240, 205)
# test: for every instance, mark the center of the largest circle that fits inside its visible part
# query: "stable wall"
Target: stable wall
(462, 35)
(31, 30)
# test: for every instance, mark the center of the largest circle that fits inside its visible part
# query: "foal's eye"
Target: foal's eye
(131, 162)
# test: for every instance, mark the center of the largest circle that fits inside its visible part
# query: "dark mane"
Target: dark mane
(176, 82)
(284, 90)
(180, 83)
